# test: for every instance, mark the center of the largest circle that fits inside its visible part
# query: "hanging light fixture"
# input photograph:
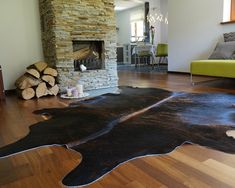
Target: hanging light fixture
(155, 16)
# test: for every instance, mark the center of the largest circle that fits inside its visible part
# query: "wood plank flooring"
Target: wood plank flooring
(188, 166)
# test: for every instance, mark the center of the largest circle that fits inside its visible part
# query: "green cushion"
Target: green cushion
(162, 50)
(217, 68)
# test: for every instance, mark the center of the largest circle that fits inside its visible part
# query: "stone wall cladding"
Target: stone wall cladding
(66, 20)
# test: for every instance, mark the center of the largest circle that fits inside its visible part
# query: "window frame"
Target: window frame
(232, 17)
(232, 13)
(136, 37)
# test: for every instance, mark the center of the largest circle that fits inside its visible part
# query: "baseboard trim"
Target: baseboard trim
(10, 92)
(176, 72)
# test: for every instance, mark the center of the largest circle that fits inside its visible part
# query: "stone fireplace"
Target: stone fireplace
(79, 32)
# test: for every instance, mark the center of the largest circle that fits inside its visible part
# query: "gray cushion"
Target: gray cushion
(233, 56)
(224, 50)
(229, 37)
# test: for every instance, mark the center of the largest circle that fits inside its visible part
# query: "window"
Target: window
(229, 11)
(137, 25)
(137, 31)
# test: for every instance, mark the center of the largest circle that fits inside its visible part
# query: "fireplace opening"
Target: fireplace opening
(88, 53)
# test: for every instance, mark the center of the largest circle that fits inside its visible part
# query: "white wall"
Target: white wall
(20, 38)
(194, 30)
(123, 19)
(164, 26)
(157, 26)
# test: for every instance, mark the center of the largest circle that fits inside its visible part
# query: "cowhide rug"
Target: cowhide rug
(112, 129)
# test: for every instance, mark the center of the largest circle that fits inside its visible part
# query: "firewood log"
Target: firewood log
(33, 72)
(41, 90)
(26, 81)
(50, 71)
(40, 66)
(26, 94)
(53, 90)
(49, 79)
(81, 54)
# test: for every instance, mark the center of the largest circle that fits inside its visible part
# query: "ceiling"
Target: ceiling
(126, 4)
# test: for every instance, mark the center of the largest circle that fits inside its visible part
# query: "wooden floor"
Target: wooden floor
(188, 166)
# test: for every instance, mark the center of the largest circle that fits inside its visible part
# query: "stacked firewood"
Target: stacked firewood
(39, 80)
(85, 53)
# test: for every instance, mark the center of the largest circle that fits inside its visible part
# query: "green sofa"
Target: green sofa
(217, 68)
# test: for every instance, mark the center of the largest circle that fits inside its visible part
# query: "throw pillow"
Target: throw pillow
(224, 50)
(229, 37)
(233, 56)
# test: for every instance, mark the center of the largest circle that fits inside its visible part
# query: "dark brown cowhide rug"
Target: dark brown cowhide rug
(112, 129)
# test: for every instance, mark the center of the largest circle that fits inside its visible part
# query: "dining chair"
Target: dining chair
(162, 52)
(144, 53)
